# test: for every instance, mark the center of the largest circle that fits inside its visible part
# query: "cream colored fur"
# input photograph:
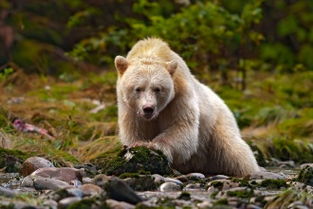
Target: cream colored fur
(195, 130)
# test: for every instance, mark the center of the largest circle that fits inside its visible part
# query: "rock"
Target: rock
(7, 192)
(27, 182)
(69, 175)
(51, 204)
(118, 205)
(222, 184)
(252, 206)
(67, 192)
(90, 189)
(120, 191)
(33, 163)
(190, 187)
(133, 160)
(158, 179)
(169, 187)
(142, 183)
(306, 175)
(195, 176)
(267, 175)
(100, 180)
(205, 204)
(87, 180)
(64, 203)
(41, 183)
(302, 166)
(176, 181)
(218, 177)
(89, 169)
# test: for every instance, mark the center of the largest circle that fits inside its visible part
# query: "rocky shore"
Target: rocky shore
(142, 178)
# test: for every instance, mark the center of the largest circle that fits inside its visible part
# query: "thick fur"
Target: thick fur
(194, 128)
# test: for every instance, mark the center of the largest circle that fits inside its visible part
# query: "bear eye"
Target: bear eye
(138, 89)
(157, 89)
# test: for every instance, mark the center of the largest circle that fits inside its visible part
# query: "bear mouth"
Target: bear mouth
(148, 116)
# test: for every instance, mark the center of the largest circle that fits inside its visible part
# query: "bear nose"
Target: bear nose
(148, 110)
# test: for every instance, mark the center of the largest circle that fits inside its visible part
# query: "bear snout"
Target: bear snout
(148, 112)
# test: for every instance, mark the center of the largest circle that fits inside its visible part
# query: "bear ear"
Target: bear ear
(171, 66)
(121, 64)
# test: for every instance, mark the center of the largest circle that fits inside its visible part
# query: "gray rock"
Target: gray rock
(100, 180)
(41, 183)
(119, 205)
(158, 179)
(51, 204)
(191, 187)
(169, 187)
(68, 201)
(33, 163)
(305, 165)
(267, 175)
(7, 192)
(90, 189)
(176, 181)
(27, 182)
(120, 191)
(218, 177)
(195, 176)
(69, 175)
(205, 204)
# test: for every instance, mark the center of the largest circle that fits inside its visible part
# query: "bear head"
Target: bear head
(146, 85)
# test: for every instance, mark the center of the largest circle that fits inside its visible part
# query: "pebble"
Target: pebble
(218, 177)
(176, 181)
(90, 189)
(158, 179)
(195, 176)
(33, 163)
(267, 175)
(51, 204)
(27, 182)
(251, 206)
(118, 190)
(100, 180)
(305, 165)
(119, 205)
(7, 192)
(169, 187)
(68, 201)
(69, 175)
(191, 187)
(41, 183)
(205, 204)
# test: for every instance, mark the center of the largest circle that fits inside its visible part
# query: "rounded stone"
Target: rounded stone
(169, 187)
(68, 201)
(90, 189)
(33, 163)
(195, 176)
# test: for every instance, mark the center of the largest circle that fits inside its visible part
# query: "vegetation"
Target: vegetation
(56, 71)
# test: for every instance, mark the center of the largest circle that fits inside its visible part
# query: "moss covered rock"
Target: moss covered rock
(12, 160)
(134, 160)
(306, 175)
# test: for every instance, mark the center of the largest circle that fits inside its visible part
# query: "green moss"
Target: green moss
(222, 201)
(129, 175)
(217, 184)
(142, 159)
(246, 193)
(11, 159)
(306, 175)
(273, 183)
